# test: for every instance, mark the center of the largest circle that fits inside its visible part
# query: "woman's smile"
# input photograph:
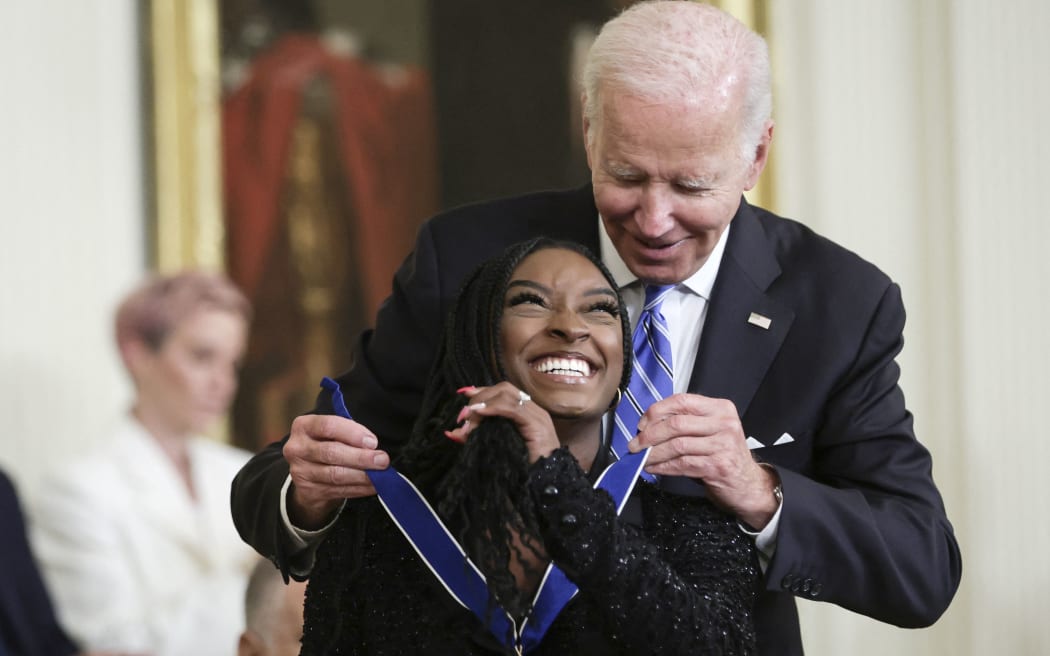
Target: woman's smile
(561, 335)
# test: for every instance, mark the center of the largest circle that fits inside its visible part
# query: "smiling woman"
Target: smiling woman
(562, 335)
(510, 451)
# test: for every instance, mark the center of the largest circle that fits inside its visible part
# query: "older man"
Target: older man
(786, 408)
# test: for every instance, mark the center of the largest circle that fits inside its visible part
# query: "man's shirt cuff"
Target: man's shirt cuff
(305, 542)
(766, 539)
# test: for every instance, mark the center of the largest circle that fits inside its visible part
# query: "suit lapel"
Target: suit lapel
(734, 354)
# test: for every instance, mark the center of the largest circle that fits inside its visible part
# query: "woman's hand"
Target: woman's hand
(506, 400)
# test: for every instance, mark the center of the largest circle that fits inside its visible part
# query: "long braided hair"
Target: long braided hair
(479, 488)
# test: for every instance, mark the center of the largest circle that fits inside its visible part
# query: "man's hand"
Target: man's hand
(701, 437)
(327, 457)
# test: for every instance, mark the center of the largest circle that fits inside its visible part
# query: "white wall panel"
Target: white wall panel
(1002, 106)
(71, 229)
(911, 133)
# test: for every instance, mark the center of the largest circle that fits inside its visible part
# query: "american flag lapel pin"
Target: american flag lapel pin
(760, 320)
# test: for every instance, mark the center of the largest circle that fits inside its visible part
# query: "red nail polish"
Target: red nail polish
(454, 438)
(468, 388)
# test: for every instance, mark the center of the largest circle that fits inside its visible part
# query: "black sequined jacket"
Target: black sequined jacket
(681, 583)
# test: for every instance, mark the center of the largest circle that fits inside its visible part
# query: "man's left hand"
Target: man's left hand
(702, 437)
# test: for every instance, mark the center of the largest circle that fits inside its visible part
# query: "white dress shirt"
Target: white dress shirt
(685, 310)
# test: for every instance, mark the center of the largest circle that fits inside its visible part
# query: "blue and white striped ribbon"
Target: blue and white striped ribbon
(444, 556)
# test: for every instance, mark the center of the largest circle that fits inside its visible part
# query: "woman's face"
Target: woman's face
(561, 334)
(189, 382)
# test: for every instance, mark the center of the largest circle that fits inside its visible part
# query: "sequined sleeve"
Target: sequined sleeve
(685, 583)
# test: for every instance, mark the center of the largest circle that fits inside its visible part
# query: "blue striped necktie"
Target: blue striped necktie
(653, 377)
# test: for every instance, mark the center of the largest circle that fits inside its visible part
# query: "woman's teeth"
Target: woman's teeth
(563, 367)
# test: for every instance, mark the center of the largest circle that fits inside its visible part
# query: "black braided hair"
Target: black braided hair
(479, 487)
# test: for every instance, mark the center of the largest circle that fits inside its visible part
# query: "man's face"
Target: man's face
(667, 181)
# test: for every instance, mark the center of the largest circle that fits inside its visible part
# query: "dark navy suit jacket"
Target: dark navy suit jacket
(862, 526)
(28, 626)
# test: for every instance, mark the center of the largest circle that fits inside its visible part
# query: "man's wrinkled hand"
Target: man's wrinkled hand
(327, 457)
(702, 438)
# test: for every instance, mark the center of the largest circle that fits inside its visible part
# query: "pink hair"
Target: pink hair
(150, 312)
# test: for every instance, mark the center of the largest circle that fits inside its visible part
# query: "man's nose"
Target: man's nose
(655, 214)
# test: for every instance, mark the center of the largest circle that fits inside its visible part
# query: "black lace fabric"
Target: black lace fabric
(683, 582)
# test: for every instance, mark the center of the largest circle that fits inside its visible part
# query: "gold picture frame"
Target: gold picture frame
(186, 189)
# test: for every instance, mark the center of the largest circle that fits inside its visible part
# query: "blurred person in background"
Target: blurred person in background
(273, 614)
(135, 539)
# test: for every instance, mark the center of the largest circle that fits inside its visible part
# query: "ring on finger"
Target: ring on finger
(523, 397)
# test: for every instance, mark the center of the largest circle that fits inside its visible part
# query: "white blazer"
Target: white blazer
(133, 563)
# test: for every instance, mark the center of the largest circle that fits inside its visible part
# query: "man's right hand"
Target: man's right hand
(327, 457)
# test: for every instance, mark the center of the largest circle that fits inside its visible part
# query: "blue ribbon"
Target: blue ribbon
(431, 539)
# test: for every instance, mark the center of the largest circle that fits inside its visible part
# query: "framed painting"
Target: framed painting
(299, 145)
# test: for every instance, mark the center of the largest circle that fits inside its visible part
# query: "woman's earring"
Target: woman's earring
(616, 401)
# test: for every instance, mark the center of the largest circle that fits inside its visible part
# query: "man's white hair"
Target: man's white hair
(679, 51)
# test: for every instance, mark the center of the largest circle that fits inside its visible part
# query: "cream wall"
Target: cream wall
(912, 132)
(908, 130)
(71, 225)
